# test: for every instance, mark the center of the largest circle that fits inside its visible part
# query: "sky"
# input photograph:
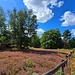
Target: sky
(51, 14)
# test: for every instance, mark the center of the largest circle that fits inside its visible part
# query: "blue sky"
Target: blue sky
(51, 14)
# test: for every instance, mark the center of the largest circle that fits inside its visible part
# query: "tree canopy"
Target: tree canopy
(51, 39)
(22, 26)
(21, 32)
(66, 38)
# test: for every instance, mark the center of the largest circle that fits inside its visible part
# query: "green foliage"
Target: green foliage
(30, 72)
(72, 43)
(59, 72)
(2, 26)
(66, 35)
(2, 20)
(23, 25)
(2, 39)
(35, 41)
(51, 39)
(73, 73)
(66, 38)
(29, 63)
(21, 32)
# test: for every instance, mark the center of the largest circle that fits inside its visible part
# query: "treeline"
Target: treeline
(18, 29)
(54, 39)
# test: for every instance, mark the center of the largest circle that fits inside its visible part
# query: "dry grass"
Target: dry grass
(71, 65)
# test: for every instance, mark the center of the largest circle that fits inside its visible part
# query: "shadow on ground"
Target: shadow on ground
(35, 51)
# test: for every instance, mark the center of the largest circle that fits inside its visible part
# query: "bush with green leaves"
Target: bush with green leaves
(29, 63)
(28, 66)
(59, 72)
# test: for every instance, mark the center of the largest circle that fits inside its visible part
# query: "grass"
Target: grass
(72, 64)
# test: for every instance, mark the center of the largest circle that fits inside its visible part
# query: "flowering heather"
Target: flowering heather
(29, 62)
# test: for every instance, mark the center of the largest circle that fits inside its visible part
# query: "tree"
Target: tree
(27, 25)
(2, 25)
(2, 20)
(51, 39)
(2, 39)
(35, 41)
(72, 43)
(13, 25)
(66, 38)
(23, 25)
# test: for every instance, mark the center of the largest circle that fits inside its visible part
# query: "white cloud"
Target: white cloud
(41, 9)
(60, 4)
(73, 31)
(40, 31)
(55, 3)
(68, 19)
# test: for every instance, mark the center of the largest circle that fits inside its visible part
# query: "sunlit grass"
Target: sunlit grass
(72, 64)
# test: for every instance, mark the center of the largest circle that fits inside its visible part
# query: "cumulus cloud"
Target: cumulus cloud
(68, 19)
(40, 31)
(54, 3)
(73, 31)
(41, 9)
(59, 4)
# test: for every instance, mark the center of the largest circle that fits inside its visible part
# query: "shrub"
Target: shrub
(29, 63)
